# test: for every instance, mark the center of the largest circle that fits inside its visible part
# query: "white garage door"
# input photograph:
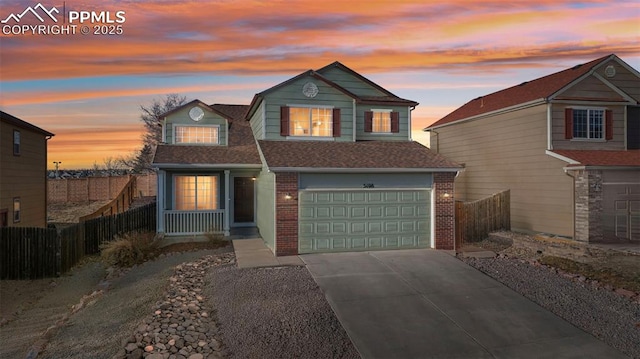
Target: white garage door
(352, 220)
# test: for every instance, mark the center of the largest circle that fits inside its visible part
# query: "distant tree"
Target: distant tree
(151, 117)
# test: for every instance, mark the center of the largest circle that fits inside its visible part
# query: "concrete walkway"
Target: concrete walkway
(252, 253)
(428, 304)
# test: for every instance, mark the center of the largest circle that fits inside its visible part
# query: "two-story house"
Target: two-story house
(23, 173)
(321, 162)
(567, 145)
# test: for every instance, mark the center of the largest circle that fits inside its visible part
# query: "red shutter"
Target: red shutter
(395, 122)
(608, 124)
(284, 121)
(336, 122)
(368, 121)
(568, 123)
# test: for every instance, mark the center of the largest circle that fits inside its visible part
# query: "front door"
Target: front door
(243, 200)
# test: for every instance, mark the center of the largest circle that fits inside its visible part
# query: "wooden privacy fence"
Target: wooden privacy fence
(31, 253)
(119, 204)
(475, 220)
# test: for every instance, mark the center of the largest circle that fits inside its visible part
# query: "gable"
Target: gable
(351, 82)
(181, 117)
(622, 76)
(590, 88)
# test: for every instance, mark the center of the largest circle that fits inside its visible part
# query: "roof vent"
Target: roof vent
(524, 83)
(576, 67)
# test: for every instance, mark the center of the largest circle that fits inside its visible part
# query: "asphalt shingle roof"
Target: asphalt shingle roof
(361, 154)
(540, 88)
(241, 149)
(602, 157)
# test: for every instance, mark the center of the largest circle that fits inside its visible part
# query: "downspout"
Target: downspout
(410, 108)
(549, 126)
(354, 120)
(573, 200)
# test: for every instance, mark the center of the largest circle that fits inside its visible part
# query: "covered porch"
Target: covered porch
(195, 202)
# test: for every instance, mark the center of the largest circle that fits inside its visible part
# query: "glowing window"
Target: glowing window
(194, 193)
(305, 121)
(197, 134)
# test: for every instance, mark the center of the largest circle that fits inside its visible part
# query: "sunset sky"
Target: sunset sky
(88, 89)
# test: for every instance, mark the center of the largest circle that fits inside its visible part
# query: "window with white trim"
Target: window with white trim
(310, 121)
(197, 134)
(16, 209)
(381, 121)
(196, 192)
(588, 123)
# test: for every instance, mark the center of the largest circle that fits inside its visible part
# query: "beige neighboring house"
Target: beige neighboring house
(23, 173)
(567, 145)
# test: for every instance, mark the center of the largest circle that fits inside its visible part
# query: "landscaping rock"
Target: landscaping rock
(180, 326)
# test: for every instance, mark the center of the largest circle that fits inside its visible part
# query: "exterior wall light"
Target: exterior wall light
(446, 195)
(287, 196)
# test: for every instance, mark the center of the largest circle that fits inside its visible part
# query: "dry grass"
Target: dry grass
(129, 249)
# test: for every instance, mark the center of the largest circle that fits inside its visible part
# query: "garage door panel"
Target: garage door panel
(364, 220)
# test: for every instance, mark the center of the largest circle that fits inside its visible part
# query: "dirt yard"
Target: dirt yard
(615, 268)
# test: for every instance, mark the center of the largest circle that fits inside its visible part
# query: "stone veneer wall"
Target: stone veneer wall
(588, 205)
(286, 214)
(444, 210)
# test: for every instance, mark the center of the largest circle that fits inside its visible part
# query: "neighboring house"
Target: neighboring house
(23, 173)
(566, 145)
(321, 162)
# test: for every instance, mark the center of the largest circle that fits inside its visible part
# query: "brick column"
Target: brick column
(588, 206)
(286, 214)
(444, 210)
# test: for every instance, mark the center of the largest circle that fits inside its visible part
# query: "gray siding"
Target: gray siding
(181, 117)
(266, 197)
(351, 83)
(403, 135)
(560, 143)
(507, 151)
(358, 180)
(256, 121)
(292, 95)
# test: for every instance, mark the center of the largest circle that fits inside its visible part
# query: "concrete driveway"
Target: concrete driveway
(428, 304)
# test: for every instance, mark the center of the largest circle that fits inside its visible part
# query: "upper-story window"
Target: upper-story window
(381, 121)
(197, 134)
(310, 121)
(16, 210)
(16, 142)
(588, 124)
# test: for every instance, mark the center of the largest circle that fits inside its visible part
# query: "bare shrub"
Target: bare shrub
(129, 249)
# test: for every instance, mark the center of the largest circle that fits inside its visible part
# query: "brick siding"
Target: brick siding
(444, 210)
(286, 214)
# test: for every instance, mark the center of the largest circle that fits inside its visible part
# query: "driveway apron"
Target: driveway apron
(428, 304)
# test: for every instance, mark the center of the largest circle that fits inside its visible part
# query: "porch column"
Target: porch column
(160, 201)
(227, 201)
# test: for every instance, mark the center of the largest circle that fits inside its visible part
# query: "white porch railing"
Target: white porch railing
(193, 222)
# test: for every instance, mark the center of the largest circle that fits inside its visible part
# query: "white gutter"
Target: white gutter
(362, 170)
(589, 167)
(206, 166)
(409, 110)
(562, 158)
(499, 111)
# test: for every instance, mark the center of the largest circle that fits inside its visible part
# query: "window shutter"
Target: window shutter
(368, 121)
(395, 122)
(284, 121)
(609, 124)
(568, 123)
(336, 122)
